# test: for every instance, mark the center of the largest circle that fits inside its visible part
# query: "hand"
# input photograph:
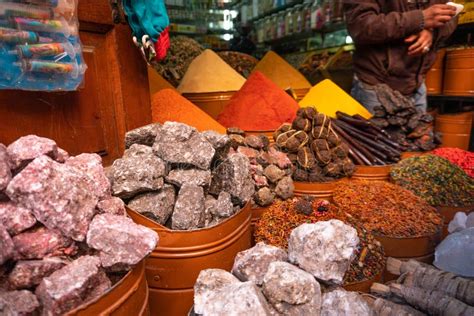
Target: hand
(421, 43)
(438, 15)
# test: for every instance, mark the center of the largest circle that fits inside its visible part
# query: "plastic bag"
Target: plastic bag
(456, 253)
(39, 45)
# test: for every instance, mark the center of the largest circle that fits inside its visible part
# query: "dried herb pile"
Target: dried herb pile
(462, 158)
(276, 224)
(387, 209)
(398, 115)
(242, 63)
(368, 144)
(316, 151)
(181, 53)
(436, 180)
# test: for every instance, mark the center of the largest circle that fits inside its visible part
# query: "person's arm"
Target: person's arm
(443, 33)
(368, 25)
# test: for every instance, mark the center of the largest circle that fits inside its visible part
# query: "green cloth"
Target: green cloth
(146, 17)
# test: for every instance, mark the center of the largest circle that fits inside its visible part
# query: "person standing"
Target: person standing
(396, 43)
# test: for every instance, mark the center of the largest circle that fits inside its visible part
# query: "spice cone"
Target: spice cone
(281, 72)
(157, 82)
(209, 73)
(169, 105)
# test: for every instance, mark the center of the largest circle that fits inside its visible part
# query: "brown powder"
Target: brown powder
(281, 72)
(209, 73)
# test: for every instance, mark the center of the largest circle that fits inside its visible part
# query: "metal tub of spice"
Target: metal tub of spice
(370, 173)
(211, 102)
(173, 267)
(322, 190)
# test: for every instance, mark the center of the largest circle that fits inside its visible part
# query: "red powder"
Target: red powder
(260, 105)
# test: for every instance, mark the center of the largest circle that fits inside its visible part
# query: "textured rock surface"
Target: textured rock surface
(248, 152)
(220, 142)
(5, 173)
(6, 245)
(42, 242)
(103, 284)
(264, 197)
(59, 196)
(260, 181)
(252, 264)
(237, 299)
(233, 176)
(189, 208)
(181, 144)
(121, 242)
(68, 287)
(224, 207)
(144, 135)
(137, 173)
(112, 205)
(341, 302)
(26, 149)
(285, 188)
(18, 303)
(208, 282)
(156, 205)
(291, 290)
(273, 173)
(91, 165)
(15, 218)
(324, 249)
(198, 177)
(29, 273)
(254, 142)
(210, 208)
(137, 150)
(62, 155)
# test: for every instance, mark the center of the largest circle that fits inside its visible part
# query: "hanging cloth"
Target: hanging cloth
(150, 26)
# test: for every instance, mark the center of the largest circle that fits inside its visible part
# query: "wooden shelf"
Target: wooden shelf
(275, 10)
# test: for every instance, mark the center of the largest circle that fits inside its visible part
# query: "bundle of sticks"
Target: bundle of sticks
(368, 144)
(424, 288)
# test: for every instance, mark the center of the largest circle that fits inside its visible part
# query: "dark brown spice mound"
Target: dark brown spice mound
(387, 209)
(276, 224)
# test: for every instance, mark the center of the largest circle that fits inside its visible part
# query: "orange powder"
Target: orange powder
(169, 105)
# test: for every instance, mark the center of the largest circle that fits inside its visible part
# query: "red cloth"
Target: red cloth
(162, 45)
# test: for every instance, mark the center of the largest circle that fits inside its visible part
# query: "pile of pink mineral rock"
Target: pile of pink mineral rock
(60, 229)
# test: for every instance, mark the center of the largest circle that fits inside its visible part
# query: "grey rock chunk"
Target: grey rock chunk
(252, 264)
(25, 149)
(144, 135)
(6, 245)
(285, 188)
(291, 290)
(15, 218)
(237, 299)
(324, 249)
(197, 177)
(61, 156)
(91, 165)
(41, 242)
(233, 176)
(279, 158)
(112, 205)
(61, 197)
(18, 303)
(248, 152)
(224, 207)
(5, 173)
(208, 282)
(254, 141)
(121, 243)
(341, 302)
(264, 197)
(134, 174)
(29, 273)
(210, 208)
(103, 284)
(68, 287)
(220, 142)
(189, 208)
(273, 173)
(137, 150)
(181, 144)
(157, 206)
(260, 181)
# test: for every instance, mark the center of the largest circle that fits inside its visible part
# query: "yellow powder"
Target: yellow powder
(281, 72)
(156, 82)
(209, 73)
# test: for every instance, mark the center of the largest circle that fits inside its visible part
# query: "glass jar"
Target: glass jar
(307, 16)
(316, 15)
(281, 25)
(288, 22)
(337, 11)
(327, 12)
(274, 26)
(297, 18)
(267, 29)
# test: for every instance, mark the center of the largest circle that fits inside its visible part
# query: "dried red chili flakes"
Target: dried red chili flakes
(462, 158)
(277, 223)
(387, 209)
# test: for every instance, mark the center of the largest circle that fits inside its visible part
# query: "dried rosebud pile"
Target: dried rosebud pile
(276, 224)
(387, 209)
(242, 63)
(63, 237)
(436, 180)
(270, 168)
(316, 151)
(462, 158)
(181, 178)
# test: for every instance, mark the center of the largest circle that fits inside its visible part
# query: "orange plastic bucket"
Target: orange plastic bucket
(455, 129)
(372, 173)
(321, 190)
(212, 102)
(434, 77)
(173, 267)
(459, 72)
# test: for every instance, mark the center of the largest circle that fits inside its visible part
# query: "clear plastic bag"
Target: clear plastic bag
(40, 47)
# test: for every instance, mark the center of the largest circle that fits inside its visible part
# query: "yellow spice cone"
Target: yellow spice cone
(328, 98)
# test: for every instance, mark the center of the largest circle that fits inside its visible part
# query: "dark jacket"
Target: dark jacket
(378, 29)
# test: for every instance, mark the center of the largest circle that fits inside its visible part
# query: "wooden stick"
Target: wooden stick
(354, 143)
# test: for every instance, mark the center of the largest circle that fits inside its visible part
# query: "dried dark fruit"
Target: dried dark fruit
(296, 141)
(333, 139)
(300, 175)
(235, 130)
(302, 124)
(340, 151)
(321, 120)
(309, 113)
(320, 132)
(333, 169)
(323, 156)
(319, 144)
(236, 140)
(348, 167)
(265, 141)
(306, 158)
(282, 139)
(305, 205)
(282, 129)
